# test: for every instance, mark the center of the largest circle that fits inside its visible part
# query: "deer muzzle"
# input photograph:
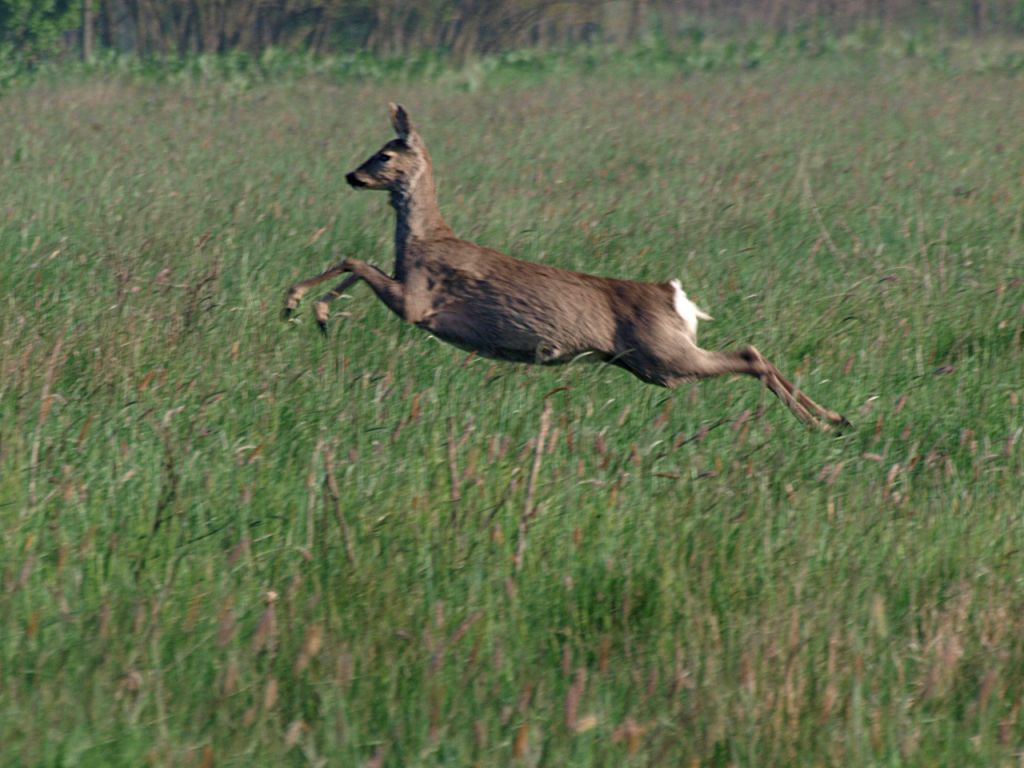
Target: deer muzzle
(354, 181)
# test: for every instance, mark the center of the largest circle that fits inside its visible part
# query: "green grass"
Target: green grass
(704, 583)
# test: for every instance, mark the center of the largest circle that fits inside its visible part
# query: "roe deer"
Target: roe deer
(497, 306)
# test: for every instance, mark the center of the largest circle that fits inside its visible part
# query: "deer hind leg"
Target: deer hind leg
(691, 362)
(388, 290)
(807, 410)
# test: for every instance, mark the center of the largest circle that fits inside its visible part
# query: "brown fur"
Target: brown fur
(487, 302)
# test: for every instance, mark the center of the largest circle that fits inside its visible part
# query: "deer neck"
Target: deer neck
(417, 216)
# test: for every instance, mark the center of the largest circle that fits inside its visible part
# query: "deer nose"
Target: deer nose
(353, 180)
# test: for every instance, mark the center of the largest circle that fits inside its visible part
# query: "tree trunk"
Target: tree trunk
(86, 30)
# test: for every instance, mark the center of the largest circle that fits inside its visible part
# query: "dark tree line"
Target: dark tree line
(387, 27)
(458, 27)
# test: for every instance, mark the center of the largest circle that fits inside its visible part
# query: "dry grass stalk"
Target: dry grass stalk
(529, 510)
(265, 637)
(311, 496)
(227, 625)
(464, 627)
(333, 494)
(294, 732)
(629, 732)
(377, 759)
(311, 647)
(453, 470)
(521, 741)
(572, 699)
(45, 403)
(270, 694)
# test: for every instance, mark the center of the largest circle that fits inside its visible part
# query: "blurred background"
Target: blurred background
(32, 29)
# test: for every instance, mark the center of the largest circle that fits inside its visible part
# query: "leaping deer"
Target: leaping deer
(500, 307)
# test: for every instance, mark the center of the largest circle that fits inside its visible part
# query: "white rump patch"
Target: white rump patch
(686, 309)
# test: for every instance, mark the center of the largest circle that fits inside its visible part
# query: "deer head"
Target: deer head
(398, 164)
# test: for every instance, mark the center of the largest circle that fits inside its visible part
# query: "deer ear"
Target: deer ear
(400, 121)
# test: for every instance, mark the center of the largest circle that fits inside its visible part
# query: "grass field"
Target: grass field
(225, 540)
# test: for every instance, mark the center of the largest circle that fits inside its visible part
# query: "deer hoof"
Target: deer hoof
(322, 314)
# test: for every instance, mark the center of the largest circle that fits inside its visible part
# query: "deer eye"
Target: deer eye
(383, 157)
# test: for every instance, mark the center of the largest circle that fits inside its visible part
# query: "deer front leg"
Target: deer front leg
(388, 290)
(298, 290)
(320, 308)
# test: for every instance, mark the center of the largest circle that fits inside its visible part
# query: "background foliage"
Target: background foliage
(33, 27)
(459, 28)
